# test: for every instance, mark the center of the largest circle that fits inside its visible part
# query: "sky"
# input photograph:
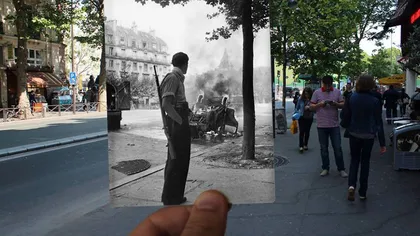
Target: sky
(183, 28)
(394, 40)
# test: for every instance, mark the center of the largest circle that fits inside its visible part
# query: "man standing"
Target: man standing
(348, 91)
(174, 103)
(326, 101)
(391, 97)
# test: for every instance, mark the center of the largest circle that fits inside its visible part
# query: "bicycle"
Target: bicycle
(13, 113)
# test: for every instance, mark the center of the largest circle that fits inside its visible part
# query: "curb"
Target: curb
(49, 144)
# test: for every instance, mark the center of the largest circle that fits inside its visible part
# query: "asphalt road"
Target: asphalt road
(15, 134)
(46, 190)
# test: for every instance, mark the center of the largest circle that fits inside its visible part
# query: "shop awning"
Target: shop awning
(399, 15)
(43, 79)
(395, 79)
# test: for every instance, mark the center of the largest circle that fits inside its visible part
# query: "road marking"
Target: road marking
(50, 149)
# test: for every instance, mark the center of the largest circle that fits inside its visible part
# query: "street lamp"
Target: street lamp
(291, 4)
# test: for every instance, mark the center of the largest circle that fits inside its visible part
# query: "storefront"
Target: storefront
(39, 81)
(407, 16)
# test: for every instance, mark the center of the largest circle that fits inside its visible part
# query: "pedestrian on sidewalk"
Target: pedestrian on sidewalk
(391, 97)
(363, 113)
(326, 101)
(404, 101)
(306, 118)
(174, 103)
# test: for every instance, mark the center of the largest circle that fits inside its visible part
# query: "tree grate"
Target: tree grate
(132, 166)
(280, 161)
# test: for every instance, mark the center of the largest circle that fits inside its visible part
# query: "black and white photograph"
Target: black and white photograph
(180, 118)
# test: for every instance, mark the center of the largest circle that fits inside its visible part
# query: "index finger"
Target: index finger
(166, 221)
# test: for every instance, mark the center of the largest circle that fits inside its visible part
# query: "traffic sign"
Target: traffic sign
(73, 78)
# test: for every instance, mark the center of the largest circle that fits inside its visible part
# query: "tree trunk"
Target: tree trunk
(102, 106)
(22, 55)
(248, 145)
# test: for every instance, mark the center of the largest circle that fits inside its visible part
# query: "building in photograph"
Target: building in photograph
(407, 15)
(130, 51)
(45, 60)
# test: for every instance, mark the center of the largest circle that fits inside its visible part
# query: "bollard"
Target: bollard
(44, 111)
(59, 110)
(25, 113)
(4, 115)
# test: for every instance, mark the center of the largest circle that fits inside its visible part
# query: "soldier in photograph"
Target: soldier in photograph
(175, 105)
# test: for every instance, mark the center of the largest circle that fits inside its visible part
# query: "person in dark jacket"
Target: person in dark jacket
(296, 98)
(404, 101)
(378, 95)
(391, 97)
(91, 82)
(365, 125)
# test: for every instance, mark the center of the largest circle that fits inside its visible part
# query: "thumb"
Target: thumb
(208, 216)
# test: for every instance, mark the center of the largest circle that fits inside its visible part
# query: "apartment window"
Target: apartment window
(145, 67)
(135, 66)
(144, 44)
(123, 51)
(122, 40)
(111, 51)
(133, 44)
(154, 46)
(34, 57)
(160, 69)
(123, 64)
(109, 38)
(111, 63)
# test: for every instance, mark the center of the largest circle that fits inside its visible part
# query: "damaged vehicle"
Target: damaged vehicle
(211, 116)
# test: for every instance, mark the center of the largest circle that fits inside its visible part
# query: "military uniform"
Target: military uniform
(176, 171)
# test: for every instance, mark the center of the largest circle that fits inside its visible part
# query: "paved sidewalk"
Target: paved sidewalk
(240, 185)
(307, 204)
(41, 145)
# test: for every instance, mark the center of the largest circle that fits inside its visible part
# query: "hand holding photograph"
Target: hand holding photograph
(189, 102)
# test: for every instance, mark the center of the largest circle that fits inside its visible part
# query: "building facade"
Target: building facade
(45, 58)
(407, 15)
(130, 52)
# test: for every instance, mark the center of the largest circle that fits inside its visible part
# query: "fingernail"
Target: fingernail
(229, 206)
(208, 203)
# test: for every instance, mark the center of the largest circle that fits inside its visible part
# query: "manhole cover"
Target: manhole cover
(132, 166)
(280, 161)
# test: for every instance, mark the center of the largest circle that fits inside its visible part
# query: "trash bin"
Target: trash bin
(406, 145)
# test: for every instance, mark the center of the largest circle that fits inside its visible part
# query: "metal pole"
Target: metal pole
(273, 94)
(284, 66)
(72, 56)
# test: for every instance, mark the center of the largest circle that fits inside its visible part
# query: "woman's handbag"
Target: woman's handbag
(294, 127)
(346, 114)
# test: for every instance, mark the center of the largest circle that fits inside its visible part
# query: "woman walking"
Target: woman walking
(363, 114)
(306, 118)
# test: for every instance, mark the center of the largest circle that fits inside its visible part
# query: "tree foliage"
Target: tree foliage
(383, 63)
(412, 46)
(318, 34)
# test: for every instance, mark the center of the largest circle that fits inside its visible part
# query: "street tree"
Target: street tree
(315, 35)
(371, 16)
(86, 58)
(57, 16)
(383, 63)
(93, 27)
(250, 16)
(26, 28)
